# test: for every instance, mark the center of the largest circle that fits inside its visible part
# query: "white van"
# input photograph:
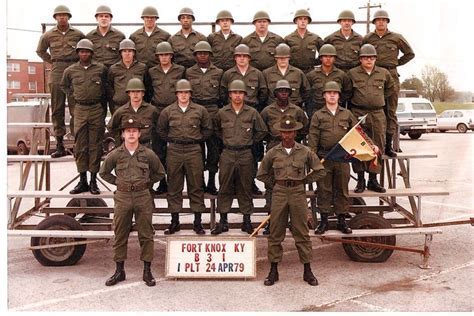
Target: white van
(415, 116)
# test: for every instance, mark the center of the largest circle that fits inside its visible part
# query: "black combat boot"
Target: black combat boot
(147, 276)
(342, 225)
(247, 224)
(360, 187)
(255, 189)
(266, 229)
(323, 225)
(374, 185)
(82, 186)
(197, 225)
(222, 226)
(272, 275)
(118, 276)
(388, 146)
(93, 188)
(308, 275)
(211, 184)
(60, 149)
(174, 226)
(162, 187)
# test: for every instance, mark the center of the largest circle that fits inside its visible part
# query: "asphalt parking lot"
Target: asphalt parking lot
(396, 285)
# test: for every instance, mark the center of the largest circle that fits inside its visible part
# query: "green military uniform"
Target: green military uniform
(304, 49)
(317, 78)
(325, 131)
(223, 49)
(262, 52)
(146, 44)
(347, 49)
(183, 47)
(118, 77)
(368, 97)
(297, 79)
(238, 131)
(87, 85)
(106, 48)
(62, 54)
(184, 131)
(135, 174)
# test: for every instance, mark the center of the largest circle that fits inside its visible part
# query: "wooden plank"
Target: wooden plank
(39, 158)
(410, 156)
(400, 192)
(33, 124)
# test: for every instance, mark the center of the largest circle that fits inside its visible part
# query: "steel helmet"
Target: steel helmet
(261, 15)
(331, 86)
(135, 84)
(183, 85)
(380, 14)
(327, 50)
(164, 48)
(300, 13)
(237, 85)
(103, 9)
(61, 9)
(282, 84)
(186, 11)
(85, 44)
(346, 15)
(242, 49)
(150, 11)
(127, 44)
(367, 50)
(202, 46)
(224, 14)
(282, 50)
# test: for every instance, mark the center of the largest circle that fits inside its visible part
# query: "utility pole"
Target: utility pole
(368, 7)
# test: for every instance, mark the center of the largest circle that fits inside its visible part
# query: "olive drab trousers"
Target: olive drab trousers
(333, 188)
(58, 106)
(392, 104)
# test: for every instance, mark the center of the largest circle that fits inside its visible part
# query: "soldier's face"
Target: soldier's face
(136, 96)
(302, 22)
(103, 19)
(62, 19)
(85, 55)
(165, 59)
(186, 21)
(225, 24)
(261, 26)
(242, 60)
(381, 24)
(183, 97)
(149, 21)
(367, 62)
(287, 137)
(282, 62)
(131, 135)
(346, 24)
(331, 97)
(327, 61)
(237, 97)
(127, 55)
(282, 94)
(202, 57)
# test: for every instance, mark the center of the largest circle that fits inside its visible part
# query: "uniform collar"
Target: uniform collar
(274, 107)
(179, 33)
(338, 109)
(111, 30)
(297, 146)
(229, 108)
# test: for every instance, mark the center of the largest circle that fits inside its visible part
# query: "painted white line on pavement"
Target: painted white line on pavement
(447, 204)
(371, 307)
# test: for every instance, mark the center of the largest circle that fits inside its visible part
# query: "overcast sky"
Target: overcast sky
(437, 30)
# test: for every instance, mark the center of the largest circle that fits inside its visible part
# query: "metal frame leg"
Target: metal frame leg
(426, 253)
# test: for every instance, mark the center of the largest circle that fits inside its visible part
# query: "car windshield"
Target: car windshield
(421, 106)
(401, 107)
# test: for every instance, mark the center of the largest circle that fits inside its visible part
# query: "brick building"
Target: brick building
(24, 76)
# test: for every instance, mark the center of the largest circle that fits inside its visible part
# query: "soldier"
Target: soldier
(328, 126)
(284, 168)
(163, 79)
(147, 37)
(346, 41)
(61, 41)
(389, 45)
(283, 70)
(184, 40)
(224, 41)
(85, 81)
(262, 42)
(323, 74)
(205, 80)
(273, 114)
(185, 125)
(146, 113)
(303, 43)
(120, 74)
(136, 169)
(239, 126)
(371, 86)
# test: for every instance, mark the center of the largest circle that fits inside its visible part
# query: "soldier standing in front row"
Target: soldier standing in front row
(239, 127)
(284, 168)
(86, 82)
(328, 126)
(136, 169)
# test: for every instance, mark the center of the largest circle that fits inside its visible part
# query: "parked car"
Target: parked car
(460, 120)
(416, 116)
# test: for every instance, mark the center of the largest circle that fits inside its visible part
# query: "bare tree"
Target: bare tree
(436, 84)
(413, 83)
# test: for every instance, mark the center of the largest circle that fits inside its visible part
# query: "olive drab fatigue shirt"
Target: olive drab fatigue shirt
(164, 84)
(118, 77)
(193, 124)
(146, 44)
(262, 54)
(347, 50)
(318, 78)
(205, 85)
(183, 47)
(298, 82)
(326, 129)
(304, 49)
(257, 91)
(370, 91)
(106, 48)
(223, 49)
(62, 50)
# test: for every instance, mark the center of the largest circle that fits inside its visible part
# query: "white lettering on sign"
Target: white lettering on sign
(210, 257)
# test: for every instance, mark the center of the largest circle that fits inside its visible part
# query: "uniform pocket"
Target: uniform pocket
(298, 168)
